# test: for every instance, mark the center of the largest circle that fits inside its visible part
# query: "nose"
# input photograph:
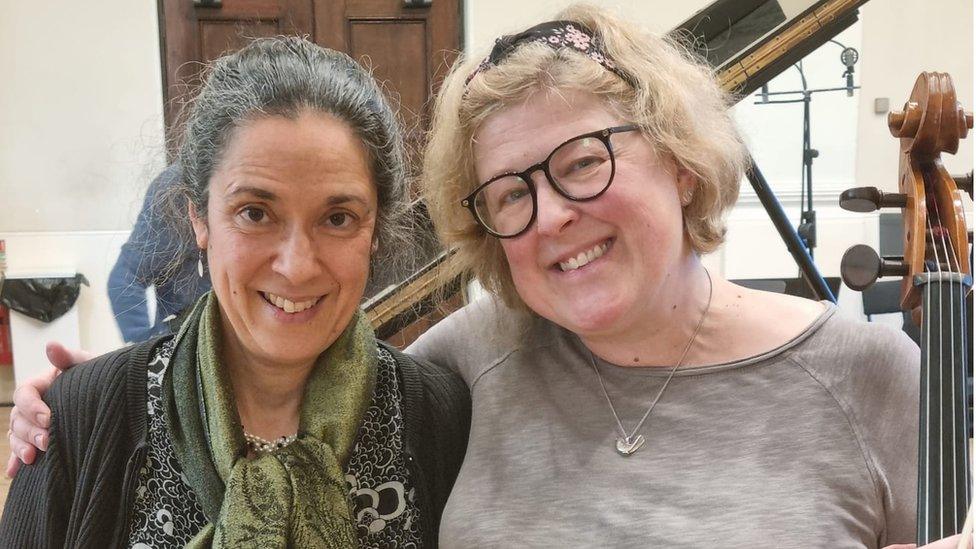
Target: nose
(297, 259)
(553, 212)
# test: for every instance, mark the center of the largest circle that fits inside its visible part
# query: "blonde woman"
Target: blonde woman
(623, 396)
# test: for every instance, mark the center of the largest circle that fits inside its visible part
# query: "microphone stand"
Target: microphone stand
(808, 216)
(793, 242)
(803, 240)
(807, 229)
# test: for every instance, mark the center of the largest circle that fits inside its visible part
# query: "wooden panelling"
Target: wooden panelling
(191, 36)
(219, 37)
(377, 42)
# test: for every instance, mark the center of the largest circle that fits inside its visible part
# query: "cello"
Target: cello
(936, 279)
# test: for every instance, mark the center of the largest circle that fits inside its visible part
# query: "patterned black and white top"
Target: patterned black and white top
(166, 512)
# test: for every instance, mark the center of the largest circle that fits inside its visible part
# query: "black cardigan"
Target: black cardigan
(80, 492)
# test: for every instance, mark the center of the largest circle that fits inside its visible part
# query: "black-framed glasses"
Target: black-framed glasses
(580, 169)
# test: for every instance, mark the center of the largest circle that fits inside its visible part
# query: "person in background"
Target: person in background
(154, 257)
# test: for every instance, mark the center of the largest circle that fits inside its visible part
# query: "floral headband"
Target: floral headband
(556, 35)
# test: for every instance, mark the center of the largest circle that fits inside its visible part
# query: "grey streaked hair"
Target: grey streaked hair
(284, 76)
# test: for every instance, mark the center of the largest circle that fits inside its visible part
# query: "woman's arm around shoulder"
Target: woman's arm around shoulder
(473, 338)
(78, 474)
(437, 417)
(437, 405)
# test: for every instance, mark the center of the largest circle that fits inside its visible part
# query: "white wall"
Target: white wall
(921, 35)
(80, 112)
(485, 20)
(81, 133)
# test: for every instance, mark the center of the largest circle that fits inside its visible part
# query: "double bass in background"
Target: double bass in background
(937, 279)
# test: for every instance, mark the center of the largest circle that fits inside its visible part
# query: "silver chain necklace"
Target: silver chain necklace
(628, 444)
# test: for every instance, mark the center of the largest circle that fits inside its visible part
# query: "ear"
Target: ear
(375, 246)
(200, 230)
(687, 184)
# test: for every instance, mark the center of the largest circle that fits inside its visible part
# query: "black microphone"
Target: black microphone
(849, 57)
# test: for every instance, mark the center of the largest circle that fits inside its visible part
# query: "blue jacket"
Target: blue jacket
(152, 247)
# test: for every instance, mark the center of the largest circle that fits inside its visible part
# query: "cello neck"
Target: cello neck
(944, 484)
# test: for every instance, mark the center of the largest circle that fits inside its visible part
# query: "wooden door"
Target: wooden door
(194, 32)
(408, 49)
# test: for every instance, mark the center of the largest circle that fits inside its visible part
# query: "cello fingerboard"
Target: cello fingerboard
(944, 485)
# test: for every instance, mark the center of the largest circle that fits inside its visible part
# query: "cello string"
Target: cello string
(940, 399)
(952, 262)
(958, 297)
(944, 248)
(959, 292)
(938, 237)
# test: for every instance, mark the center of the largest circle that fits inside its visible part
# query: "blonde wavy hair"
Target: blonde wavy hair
(673, 97)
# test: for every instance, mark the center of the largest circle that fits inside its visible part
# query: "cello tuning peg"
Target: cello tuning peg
(869, 199)
(964, 182)
(964, 120)
(861, 267)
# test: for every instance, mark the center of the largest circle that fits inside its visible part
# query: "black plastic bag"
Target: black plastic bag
(44, 299)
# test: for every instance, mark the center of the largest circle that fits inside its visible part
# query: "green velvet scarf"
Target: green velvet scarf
(292, 497)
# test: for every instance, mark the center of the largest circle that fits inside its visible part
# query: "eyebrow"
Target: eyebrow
(264, 194)
(256, 191)
(344, 198)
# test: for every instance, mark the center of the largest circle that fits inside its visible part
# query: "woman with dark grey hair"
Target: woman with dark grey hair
(274, 418)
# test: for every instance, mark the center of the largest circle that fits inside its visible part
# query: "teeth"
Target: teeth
(584, 258)
(290, 306)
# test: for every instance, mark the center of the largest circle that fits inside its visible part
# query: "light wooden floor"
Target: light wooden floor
(4, 454)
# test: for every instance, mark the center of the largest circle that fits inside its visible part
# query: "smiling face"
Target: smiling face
(596, 267)
(288, 234)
